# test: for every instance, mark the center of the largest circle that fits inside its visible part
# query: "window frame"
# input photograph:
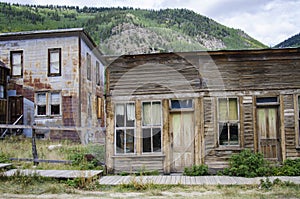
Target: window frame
(40, 104)
(50, 51)
(89, 66)
(48, 103)
(228, 122)
(12, 65)
(2, 92)
(98, 72)
(151, 127)
(124, 129)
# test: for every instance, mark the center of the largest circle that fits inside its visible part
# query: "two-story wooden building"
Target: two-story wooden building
(62, 73)
(168, 111)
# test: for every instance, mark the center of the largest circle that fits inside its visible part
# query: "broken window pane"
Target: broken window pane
(120, 141)
(156, 140)
(146, 140)
(223, 133)
(129, 141)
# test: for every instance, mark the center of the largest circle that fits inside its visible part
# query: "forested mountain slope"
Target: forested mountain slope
(127, 30)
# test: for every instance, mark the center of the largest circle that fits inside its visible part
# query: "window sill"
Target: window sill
(229, 148)
(137, 156)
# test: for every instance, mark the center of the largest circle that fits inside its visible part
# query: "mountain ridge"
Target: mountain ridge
(130, 31)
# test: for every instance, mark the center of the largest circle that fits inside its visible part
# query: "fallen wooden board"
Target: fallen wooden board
(62, 174)
(4, 165)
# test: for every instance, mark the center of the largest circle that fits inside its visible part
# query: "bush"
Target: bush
(196, 170)
(289, 168)
(248, 164)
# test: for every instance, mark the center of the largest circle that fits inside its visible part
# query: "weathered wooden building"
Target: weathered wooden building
(4, 73)
(61, 72)
(168, 111)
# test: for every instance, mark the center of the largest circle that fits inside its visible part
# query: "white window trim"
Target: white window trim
(48, 103)
(229, 121)
(124, 128)
(151, 127)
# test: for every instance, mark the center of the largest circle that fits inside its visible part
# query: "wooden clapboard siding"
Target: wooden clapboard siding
(289, 125)
(248, 138)
(209, 124)
(138, 163)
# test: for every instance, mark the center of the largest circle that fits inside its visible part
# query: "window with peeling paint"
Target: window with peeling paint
(125, 128)
(88, 65)
(48, 103)
(97, 73)
(55, 104)
(54, 62)
(41, 104)
(16, 63)
(151, 129)
(228, 122)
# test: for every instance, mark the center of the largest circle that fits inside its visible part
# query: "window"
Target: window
(41, 104)
(125, 128)
(228, 121)
(151, 127)
(2, 92)
(182, 104)
(89, 105)
(48, 103)
(16, 60)
(54, 62)
(97, 73)
(88, 66)
(55, 104)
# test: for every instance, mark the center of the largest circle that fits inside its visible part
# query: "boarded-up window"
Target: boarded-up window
(125, 128)
(99, 108)
(97, 73)
(151, 127)
(54, 62)
(16, 63)
(88, 65)
(228, 121)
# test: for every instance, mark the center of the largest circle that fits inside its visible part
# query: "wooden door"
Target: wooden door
(268, 133)
(182, 137)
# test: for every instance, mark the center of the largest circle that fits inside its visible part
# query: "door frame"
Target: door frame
(278, 133)
(172, 113)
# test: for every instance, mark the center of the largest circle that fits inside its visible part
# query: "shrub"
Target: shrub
(248, 164)
(196, 170)
(289, 168)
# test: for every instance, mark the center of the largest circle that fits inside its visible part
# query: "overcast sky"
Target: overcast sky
(268, 21)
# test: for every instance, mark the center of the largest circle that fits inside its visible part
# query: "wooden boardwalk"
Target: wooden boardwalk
(62, 174)
(191, 180)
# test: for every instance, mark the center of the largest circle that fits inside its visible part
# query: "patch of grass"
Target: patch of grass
(19, 147)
